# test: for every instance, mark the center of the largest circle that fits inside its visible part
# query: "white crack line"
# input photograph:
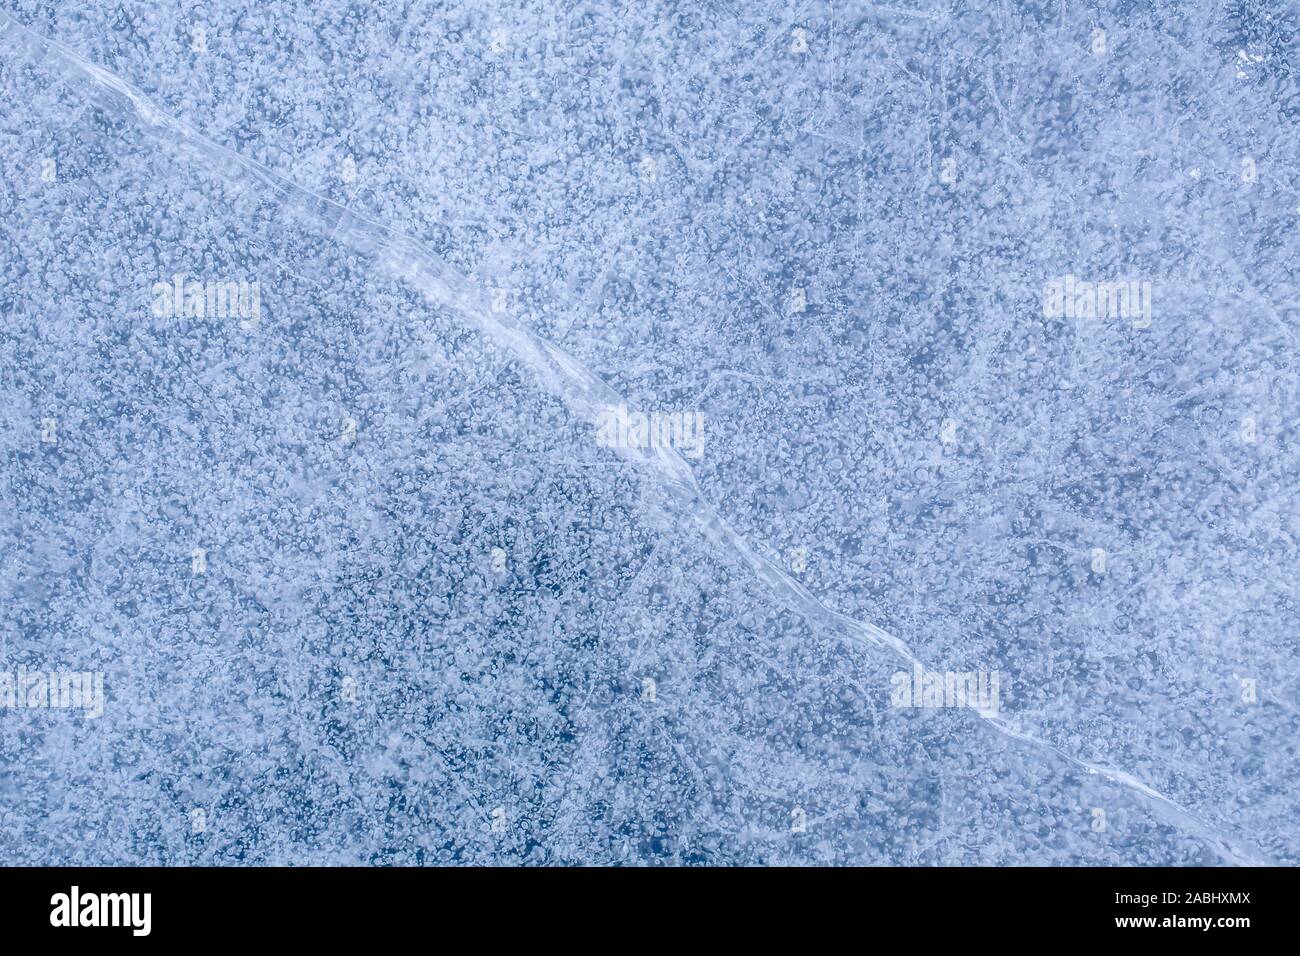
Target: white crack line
(586, 395)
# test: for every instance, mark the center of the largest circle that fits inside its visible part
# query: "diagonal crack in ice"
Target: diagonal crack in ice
(584, 393)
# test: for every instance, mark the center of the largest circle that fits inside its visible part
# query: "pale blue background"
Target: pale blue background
(518, 158)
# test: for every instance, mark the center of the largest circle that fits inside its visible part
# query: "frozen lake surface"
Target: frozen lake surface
(793, 433)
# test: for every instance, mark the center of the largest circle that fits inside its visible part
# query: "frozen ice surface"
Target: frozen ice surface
(365, 587)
